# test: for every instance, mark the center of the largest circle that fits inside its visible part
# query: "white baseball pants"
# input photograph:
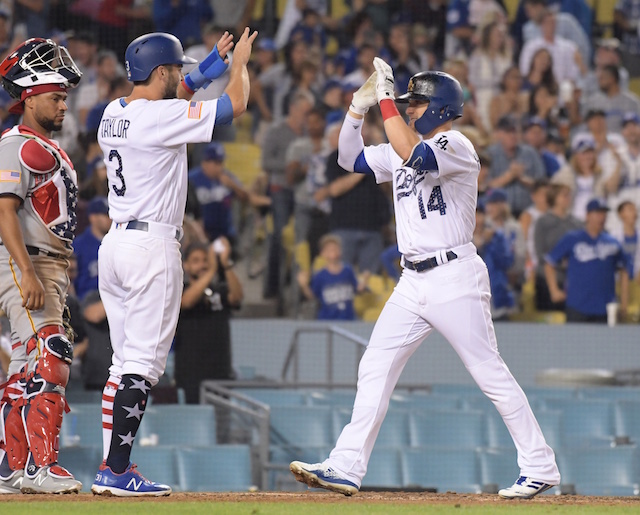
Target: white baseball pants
(454, 299)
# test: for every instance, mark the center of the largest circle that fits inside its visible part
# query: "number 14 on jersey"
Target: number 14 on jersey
(435, 203)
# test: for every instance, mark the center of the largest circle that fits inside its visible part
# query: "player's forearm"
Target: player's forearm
(350, 142)
(401, 136)
(11, 234)
(238, 88)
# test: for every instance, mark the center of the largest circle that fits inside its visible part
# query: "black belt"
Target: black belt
(138, 225)
(427, 264)
(35, 251)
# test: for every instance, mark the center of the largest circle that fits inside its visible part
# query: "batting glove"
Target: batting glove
(211, 68)
(385, 82)
(365, 97)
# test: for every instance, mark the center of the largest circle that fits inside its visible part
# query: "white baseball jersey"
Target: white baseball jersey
(434, 210)
(145, 152)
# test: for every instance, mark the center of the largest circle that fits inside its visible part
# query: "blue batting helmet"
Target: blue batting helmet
(444, 94)
(149, 51)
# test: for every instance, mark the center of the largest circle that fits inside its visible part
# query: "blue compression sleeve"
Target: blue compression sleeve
(361, 165)
(422, 158)
(224, 113)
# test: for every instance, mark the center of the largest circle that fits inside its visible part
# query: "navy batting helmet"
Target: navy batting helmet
(444, 94)
(149, 51)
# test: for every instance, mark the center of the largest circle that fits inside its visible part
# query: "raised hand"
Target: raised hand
(385, 81)
(365, 97)
(242, 52)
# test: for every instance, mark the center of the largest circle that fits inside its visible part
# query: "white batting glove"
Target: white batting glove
(385, 82)
(365, 97)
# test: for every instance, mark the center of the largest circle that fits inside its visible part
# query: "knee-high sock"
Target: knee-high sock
(108, 394)
(128, 407)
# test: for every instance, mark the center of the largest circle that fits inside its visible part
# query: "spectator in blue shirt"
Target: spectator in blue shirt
(334, 286)
(594, 257)
(496, 251)
(536, 134)
(215, 189)
(86, 245)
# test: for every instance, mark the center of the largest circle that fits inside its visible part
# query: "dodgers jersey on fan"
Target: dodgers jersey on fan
(434, 209)
(145, 152)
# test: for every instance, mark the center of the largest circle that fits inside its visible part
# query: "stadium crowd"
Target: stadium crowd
(548, 106)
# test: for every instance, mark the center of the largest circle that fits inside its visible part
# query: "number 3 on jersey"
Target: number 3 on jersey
(114, 154)
(436, 203)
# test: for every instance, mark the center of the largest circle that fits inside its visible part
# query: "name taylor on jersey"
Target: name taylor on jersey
(114, 128)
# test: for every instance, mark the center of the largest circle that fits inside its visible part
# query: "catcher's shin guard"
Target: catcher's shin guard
(12, 436)
(44, 392)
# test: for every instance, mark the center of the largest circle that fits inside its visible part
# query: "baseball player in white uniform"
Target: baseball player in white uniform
(444, 284)
(144, 141)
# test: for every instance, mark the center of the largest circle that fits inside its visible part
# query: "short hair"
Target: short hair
(612, 70)
(539, 184)
(329, 238)
(624, 204)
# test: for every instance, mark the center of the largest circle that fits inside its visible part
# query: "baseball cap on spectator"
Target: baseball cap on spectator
(98, 206)
(582, 142)
(596, 204)
(496, 195)
(535, 120)
(609, 43)
(214, 151)
(631, 117)
(330, 84)
(507, 123)
(267, 44)
(592, 113)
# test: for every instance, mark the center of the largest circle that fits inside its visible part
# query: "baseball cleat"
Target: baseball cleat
(51, 479)
(318, 475)
(11, 484)
(128, 484)
(524, 488)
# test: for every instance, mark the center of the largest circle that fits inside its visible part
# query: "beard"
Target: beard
(171, 89)
(49, 125)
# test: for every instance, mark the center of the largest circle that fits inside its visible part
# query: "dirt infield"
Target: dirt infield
(331, 498)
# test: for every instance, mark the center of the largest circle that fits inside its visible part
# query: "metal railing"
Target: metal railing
(292, 360)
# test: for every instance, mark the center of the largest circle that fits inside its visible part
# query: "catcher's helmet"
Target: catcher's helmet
(38, 62)
(149, 51)
(444, 95)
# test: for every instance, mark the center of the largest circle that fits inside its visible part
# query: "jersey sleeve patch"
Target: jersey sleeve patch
(195, 110)
(10, 176)
(37, 159)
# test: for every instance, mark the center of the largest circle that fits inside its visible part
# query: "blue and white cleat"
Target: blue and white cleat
(524, 488)
(128, 484)
(318, 475)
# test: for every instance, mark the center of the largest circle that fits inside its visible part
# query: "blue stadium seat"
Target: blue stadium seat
(421, 401)
(82, 462)
(221, 468)
(301, 425)
(82, 426)
(628, 420)
(180, 424)
(384, 469)
(611, 393)
(394, 431)
(446, 470)
(285, 454)
(333, 398)
(603, 471)
(157, 463)
(498, 468)
(276, 396)
(584, 423)
(455, 389)
(459, 429)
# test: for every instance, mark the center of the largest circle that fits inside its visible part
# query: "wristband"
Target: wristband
(186, 86)
(388, 109)
(194, 79)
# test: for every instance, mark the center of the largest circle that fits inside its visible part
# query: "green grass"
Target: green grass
(147, 507)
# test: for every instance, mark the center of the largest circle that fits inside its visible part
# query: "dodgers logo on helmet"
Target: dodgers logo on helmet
(149, 51)
(444, 94)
